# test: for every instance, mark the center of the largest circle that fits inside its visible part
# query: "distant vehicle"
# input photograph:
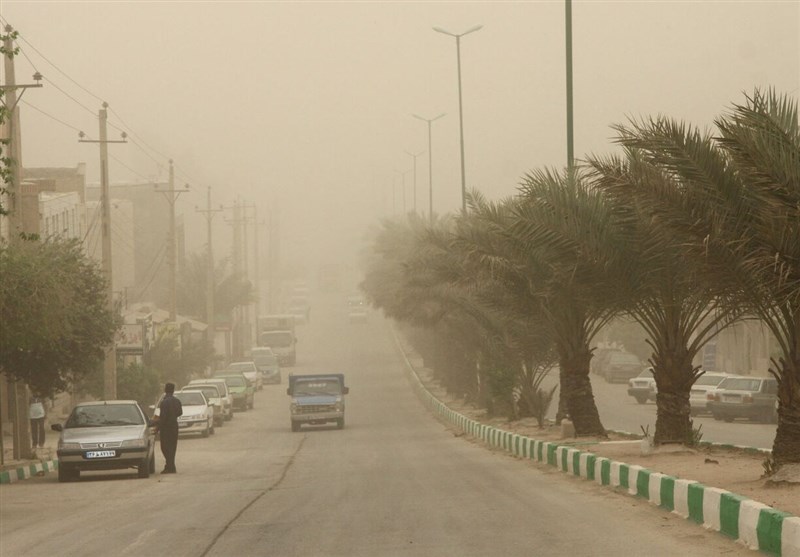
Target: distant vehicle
(700, 389)
(621, 366)
(600, 357)
(277, 331)
(317, 399)
(744, 397)
(225, 394)
(105, 435)
(211, 392)
(267, 363)
(239, 387)
(198, 412)
(250, 371)
(357, 309)
(643, 386)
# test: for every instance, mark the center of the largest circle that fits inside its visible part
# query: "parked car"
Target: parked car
(105, 435)
(198, 413)
(744, 397)
(267, 363)
(211, 392)
(621, 366)
(600, 357)
(705, 383)
(643, 386)
(222, 386)
(239, 387)
(250, 371)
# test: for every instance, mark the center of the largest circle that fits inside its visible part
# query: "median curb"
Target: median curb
(28, 471)
(754, 524)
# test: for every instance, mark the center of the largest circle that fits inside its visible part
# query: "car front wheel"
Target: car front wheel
(144, 468)
(67, 473)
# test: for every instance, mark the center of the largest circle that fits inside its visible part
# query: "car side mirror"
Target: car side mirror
(288, 391)
(346, 390)
(57, 427)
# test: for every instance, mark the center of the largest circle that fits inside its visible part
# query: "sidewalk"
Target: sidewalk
(13, 470)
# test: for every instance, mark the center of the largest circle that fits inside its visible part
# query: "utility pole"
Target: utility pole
(570, 147)
(21, 432)
(248, 337)
(236, 222)
(171, 196)
(414, 156)
(210, 281)
(110, 362)
(257, 260)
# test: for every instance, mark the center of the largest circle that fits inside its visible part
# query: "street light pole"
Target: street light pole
(414, 156)
(570, 148)
(460, 107)
(430, 162)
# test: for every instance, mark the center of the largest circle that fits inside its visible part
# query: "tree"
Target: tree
(740, 206)
(55, 321)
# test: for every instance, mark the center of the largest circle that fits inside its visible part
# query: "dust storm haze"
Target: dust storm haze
(304, 109)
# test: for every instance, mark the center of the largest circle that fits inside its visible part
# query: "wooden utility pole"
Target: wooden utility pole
(110, 361)
(172, 195)
(210, 281)
(21, 431)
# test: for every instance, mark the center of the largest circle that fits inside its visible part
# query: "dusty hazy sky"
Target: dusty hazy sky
(307, 105)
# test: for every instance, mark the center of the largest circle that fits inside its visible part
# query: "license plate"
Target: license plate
(731, 398)
(183, 424)
(101, 454)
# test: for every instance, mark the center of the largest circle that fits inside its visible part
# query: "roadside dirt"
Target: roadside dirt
(733, 470)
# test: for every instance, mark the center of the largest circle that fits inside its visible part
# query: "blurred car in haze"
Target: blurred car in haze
(643, 386)
(700, 389)
(250, 371)
(267, 363)
(744, 397)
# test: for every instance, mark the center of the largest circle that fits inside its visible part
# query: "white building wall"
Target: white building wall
(61, 215)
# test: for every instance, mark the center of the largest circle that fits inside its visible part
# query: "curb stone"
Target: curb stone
(27, 471)
(753, 524)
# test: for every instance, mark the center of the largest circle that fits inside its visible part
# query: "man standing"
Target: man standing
(36, 415)
(169, 410)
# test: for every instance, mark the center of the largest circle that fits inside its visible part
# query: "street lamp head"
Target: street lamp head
(440, 30)
(476, 28)
(439, 116)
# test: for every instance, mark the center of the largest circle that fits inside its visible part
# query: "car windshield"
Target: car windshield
(623, 358)
(317, 388)
(740, 384)
(235, 381)
(241, 366)
(646, 373)
(190, 399)
(105, 415)
(265, 360)
(209, 392)
(220, 387)
(709, 380)
(281, 338)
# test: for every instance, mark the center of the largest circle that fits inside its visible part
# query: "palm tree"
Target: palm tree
(740, 203)
(679, 311)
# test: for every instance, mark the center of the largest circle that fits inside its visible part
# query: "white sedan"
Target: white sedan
(198, 413)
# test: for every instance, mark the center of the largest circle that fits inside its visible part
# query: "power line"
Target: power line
(36, 108)
(73, 99)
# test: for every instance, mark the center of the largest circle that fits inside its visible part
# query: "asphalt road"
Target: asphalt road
(395, 481)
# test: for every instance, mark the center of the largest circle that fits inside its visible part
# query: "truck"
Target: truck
(277, 331)
(317, 399)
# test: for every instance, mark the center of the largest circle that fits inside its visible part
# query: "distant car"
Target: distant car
(700, 389)
(744, 397)
(267, 363)
(621, 366)
(198, 413)
(211, 392)
(105, 435)
(250, 371)
(222, 386)
(643, 386)
(239, 387)
(357, 309)
(600, 357)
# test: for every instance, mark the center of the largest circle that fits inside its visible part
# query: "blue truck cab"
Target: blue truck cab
(317, 399)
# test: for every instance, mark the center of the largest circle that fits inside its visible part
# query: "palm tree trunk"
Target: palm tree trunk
(786, 446)
(576, 391)
(674, 375)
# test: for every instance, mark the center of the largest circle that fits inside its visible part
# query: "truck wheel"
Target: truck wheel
(205, 432)
(340, 423)
(295, 426)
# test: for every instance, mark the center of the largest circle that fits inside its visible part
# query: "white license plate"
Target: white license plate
(731, 398)
(101, 454)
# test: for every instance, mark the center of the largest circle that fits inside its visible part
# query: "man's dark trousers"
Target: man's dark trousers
(169, 445)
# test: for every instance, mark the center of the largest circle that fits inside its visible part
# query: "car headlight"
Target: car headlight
(134, 443)
(338, 407)
(69, 446)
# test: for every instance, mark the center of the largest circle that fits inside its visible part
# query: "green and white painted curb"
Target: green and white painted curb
(28, 471)
(754, 524)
